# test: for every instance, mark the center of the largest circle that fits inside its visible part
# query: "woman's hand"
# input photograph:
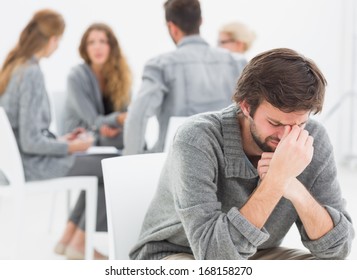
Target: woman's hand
(73, 135)
(81, 143)
(121, 118)
(107, 131)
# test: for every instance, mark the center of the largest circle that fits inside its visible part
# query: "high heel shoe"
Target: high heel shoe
(74, 254)
(60, 248)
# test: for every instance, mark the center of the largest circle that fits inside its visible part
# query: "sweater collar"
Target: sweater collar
(191, 39)
(237, 163)
(95, 85)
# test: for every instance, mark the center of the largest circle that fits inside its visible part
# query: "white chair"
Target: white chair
(11, 166)
(152, 132)
(130, 183)
(174, 124)
(58, 103)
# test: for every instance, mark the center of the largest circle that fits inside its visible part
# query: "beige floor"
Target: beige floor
(39, 240)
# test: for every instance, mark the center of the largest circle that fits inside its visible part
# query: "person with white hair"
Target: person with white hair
(237, 38)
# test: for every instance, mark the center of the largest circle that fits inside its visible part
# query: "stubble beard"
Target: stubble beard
(263, 145)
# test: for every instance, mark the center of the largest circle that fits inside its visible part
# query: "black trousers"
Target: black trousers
(90, 165)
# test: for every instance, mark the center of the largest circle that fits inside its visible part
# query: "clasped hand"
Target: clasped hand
(79, 140)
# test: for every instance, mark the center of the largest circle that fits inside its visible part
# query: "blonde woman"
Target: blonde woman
(24, 98)
(98, 93)
(99, 89)
(237, 38)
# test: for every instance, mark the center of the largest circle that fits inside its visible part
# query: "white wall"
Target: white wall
(319, 29)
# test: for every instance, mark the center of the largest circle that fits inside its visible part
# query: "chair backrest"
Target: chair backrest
(10, 159)
(130, 183)
(58, 103)
(152, 132)
(174, 124)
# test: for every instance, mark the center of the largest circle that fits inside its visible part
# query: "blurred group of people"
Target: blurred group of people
(99, 93)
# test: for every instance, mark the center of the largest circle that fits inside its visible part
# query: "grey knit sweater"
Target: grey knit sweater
(27, 106)
(206, 180)
(85, 108)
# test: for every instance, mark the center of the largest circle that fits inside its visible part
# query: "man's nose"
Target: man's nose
(282, 130)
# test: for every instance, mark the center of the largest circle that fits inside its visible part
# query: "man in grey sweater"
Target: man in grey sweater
(194, 78)
(236, 180)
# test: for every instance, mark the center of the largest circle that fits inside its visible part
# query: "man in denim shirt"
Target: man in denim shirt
(192, 79)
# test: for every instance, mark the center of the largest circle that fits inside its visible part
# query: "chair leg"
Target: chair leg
(68, 202)
(91, 217)
(19, 220)
(1, 203)
(52, 211)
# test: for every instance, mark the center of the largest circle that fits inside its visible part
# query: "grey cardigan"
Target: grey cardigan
(27, 106)
(84, 105)
(207, 178)
(194, 78)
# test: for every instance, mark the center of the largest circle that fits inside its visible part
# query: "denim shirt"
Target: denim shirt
(85, 107)
(194, 78)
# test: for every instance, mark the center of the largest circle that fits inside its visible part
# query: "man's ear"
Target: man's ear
(245, 108)
(172, 27)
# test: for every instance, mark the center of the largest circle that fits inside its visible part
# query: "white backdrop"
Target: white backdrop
(319, 29)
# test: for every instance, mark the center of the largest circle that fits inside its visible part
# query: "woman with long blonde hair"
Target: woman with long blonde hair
(98, 90)
(98, 93)
(24, 98)
(39, 39)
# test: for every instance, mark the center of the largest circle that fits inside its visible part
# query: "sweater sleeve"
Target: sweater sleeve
(212, 234)
(146, 104)
(335, 244)
(31, 123)
(81, 98)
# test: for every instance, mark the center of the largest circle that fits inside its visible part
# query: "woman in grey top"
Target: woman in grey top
(99, 89)
(24, 98)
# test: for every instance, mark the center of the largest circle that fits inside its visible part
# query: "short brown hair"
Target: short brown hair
(186, 14)
(285, 79)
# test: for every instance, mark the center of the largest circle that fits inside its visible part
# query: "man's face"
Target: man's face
(268, 124)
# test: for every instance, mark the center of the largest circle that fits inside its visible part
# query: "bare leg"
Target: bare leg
(76, 247)
(68, 233)
(66, 238)
(78, 241)
(72, 243)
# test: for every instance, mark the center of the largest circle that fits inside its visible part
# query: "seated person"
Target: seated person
(236, 180)
(237, 38)
(24, 98)
(99, 89)
(192, 79)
